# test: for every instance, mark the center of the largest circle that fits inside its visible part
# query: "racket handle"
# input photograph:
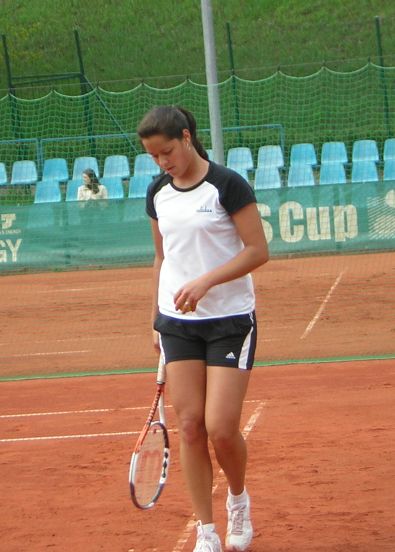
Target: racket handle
(161, 376)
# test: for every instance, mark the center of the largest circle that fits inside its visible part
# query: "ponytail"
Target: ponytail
(192, 129)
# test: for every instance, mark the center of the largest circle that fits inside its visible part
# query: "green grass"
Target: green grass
(125, 41)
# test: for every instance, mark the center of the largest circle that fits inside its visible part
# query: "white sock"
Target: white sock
(238, 499)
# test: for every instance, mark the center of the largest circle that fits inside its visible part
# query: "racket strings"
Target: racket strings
(151, 465)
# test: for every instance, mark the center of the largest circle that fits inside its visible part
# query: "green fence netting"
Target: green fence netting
(280, 109)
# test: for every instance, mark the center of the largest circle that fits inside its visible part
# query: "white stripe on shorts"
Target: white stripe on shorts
(245, 350)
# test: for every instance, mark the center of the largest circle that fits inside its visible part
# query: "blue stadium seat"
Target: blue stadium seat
(389, 149)
(116, 166)
(240, 158)
(270, 156)
(138, 185)
(364, 171)
(144, 164)
(334, 152)
(303, 154)
(3, 175)
(83, 163)
(56, 169)
(24, 173)
(333, 173)
(114, 187)
(267, 177)
(365, 150)
(72, 189)
(47, 191)
(300, 175)
(389, 169)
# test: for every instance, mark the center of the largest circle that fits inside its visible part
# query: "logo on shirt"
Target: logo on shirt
(204, 209)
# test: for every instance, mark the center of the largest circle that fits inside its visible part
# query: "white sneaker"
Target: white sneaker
(206, 541)
(239, 532)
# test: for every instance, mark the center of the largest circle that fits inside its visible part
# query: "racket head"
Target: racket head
(149, 467)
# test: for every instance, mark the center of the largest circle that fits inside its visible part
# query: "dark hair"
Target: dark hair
(94, 181)
(170, 121)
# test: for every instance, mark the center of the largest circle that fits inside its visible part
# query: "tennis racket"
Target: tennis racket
(150, 460)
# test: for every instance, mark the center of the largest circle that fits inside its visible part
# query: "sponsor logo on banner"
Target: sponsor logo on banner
(296, 222)
(9, 247)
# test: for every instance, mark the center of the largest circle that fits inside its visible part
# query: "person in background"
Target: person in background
(208, 237)
(91, 188)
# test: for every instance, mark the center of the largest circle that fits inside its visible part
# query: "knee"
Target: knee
(223, 437)
(192, 430)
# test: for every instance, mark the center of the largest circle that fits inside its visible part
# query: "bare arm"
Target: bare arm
(157, 237)
(254, 254)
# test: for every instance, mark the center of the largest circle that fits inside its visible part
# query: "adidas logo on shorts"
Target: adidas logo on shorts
(230, 356)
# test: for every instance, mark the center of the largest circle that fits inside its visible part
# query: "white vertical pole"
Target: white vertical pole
(212, 82)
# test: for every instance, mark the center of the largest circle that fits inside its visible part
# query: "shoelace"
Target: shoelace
(203, 542)
(237, 520)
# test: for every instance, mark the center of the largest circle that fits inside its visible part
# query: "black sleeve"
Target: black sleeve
(235, 192)
(149, 201)
(158, 182)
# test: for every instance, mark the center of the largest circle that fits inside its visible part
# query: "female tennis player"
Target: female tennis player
(208, 237)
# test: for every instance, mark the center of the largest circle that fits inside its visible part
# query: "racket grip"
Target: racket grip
(161, 375)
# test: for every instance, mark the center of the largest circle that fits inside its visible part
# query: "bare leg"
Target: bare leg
(186, 381)
(226, 389)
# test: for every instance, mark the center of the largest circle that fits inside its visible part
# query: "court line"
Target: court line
(134, 371)
(76, 352)
(246, 430)
(63, 437)
(66, 412)
(321, 308)
(76, 436)
(68, 290)
(85, 435)
(79, 338)
(18, 355)
(87, 411)
(183, 539)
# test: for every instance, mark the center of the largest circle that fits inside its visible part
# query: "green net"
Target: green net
(78, 320)
(325, 106)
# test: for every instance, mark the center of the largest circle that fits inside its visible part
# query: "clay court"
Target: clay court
(319, 416)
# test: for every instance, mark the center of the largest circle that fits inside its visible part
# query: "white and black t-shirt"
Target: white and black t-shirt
(198, 236)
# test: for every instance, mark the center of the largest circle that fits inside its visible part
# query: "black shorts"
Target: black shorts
(228, 341)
